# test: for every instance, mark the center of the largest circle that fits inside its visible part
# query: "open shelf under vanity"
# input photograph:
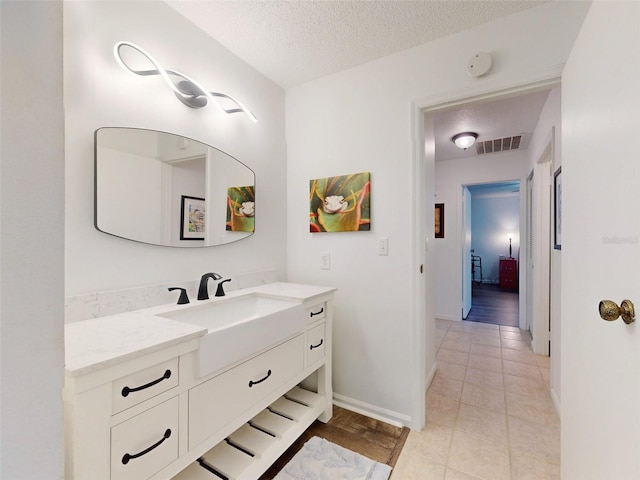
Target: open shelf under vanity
(253, 447)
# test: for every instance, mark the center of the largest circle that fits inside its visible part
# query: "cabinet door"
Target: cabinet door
(146, 443)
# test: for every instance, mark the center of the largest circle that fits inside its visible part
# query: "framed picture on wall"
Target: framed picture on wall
(557, 209)
(192, 218)
(340, 204)
(439, 220)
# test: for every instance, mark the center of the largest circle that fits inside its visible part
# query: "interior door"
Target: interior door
(601, 246)
(467, 294)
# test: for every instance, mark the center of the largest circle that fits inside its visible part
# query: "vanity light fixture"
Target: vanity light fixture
(464, 140)
(186, 89)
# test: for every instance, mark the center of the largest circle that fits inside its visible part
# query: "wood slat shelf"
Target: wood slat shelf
(251, 449)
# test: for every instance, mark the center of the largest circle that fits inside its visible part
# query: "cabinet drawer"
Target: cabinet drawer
(315, 344)
(220, 400)
(317, 312)
(146, 443)
(140, 386)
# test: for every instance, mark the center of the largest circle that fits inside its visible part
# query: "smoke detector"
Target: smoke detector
(479, 65)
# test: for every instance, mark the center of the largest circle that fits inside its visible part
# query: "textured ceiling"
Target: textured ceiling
(292, 42)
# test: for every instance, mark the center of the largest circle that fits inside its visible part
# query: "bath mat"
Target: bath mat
(320, 459)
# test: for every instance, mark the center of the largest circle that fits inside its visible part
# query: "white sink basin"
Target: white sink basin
(238, 327)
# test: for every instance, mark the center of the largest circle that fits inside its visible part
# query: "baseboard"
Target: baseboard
(377, 413)
(556, 401)
(447, 317)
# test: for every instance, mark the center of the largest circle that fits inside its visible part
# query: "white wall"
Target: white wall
(493, 218)
(451, 175)
(98, 92)
(361, 119)
(601, 246)
(126, 205)
(31, 242)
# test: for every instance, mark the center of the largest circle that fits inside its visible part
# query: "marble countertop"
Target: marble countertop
(100, 342)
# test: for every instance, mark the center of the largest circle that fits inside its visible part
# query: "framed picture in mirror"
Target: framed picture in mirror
(192, 218)
(439, 220)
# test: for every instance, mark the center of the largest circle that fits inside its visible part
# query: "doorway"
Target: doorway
(491, 225)
(434, 298)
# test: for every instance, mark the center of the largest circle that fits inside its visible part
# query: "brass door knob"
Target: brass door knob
(610, 311)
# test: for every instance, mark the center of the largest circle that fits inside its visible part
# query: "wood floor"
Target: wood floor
(490, 304)
(376, 440)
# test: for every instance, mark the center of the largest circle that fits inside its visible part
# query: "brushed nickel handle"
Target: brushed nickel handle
(610, 311)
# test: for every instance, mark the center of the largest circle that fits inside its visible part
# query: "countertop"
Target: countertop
(100, 342)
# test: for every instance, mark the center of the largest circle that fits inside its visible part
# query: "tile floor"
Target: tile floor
(489, 412)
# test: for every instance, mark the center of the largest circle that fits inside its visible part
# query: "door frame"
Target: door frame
(467, 278)
(528, 260)
(423, 285)
(542, 230)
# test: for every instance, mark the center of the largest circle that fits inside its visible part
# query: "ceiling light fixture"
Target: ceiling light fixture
(464, 140)
(187, 90)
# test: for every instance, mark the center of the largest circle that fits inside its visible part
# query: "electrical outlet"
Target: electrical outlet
(325, 261)
(383, 246)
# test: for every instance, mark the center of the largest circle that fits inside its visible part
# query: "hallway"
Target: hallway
(489, 412)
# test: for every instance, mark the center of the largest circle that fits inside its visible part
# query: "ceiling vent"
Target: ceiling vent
(499, 145)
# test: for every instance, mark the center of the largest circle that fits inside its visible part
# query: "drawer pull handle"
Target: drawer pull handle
(313, 314)
(252, 383)
(127, 390)
(126, 457)
(311, 347)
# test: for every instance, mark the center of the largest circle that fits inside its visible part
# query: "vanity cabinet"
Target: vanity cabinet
(238, 389)
(147, 414)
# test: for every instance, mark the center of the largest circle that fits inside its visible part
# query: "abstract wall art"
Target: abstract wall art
(340, 204)
(241, 209)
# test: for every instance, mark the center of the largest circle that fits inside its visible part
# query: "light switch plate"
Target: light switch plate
(325, 261)
(383, 246)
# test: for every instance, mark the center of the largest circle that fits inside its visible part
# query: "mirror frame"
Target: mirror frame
(187, 245)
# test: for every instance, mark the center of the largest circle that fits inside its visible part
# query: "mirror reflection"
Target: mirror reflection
(164, 189)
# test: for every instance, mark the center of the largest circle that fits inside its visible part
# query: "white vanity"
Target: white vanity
(179, 391)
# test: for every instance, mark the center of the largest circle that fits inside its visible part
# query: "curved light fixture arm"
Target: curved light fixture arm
(187, 90)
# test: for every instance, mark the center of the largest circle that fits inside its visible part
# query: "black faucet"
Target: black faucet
(203, 291)
(220, 289)
(183, 295)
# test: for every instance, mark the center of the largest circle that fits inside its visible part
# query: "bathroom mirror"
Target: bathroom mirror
(164, 189)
